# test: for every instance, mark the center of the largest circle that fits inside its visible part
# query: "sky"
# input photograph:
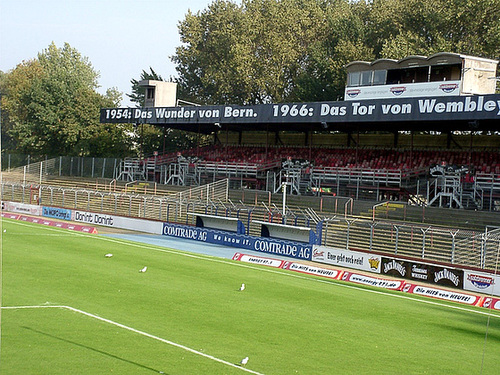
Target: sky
(120, 38)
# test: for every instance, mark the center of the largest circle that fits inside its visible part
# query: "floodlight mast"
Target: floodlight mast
(1, 220)
(283, 187)
(1, 175)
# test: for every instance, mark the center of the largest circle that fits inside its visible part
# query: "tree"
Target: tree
(423, 27)
(247, 54)
(269, 50)
(295, 50)
(285, 35)
(341, 41)
(53, 107)
(207, 71)
(11, 86)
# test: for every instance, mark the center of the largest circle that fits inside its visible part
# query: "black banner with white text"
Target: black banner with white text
(408, 109)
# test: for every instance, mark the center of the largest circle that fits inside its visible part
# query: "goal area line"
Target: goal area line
(111, 322)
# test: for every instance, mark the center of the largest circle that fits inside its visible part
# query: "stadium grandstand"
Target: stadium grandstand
(421, 130)
(414, 174)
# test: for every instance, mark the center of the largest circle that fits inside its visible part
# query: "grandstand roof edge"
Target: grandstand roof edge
(420, 57)
(478, 112)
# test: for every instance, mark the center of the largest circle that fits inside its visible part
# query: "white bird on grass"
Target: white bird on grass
(144, 269)
(242, 287)
(108, 255)
(244, 361)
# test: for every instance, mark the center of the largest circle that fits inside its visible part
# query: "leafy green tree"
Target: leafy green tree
(53, 106)
(246, 54)
(295, 50)
(10, 99)
(422, 27)
(204, 61)
(341, 41)
(283, 33)
(269, 50)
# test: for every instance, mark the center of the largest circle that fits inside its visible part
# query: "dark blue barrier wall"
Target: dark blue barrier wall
(287, 232)
(241, 241)
(222, 223)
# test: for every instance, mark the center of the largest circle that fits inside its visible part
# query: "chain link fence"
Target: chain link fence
(444, 245)
(482, 250)
(26, 169)
(420, 241)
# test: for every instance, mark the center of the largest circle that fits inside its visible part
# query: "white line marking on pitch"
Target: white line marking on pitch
(136, 331)
(62, 232)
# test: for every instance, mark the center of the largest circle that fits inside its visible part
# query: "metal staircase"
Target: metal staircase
(447, 191)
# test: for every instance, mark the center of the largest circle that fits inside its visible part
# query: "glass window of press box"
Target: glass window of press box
(367, 78)
(405, 75)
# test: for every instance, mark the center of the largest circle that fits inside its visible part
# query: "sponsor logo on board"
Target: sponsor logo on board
(480, 282)
(397, 91)
(448, 87)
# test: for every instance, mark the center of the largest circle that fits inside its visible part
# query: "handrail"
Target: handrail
(378, 205)
(112, 182)
(351, 201)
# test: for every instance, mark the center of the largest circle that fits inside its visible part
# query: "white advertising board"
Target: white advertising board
(138, 225)
(408, 90)
(481, 282)
(346, 258)
(22, 208)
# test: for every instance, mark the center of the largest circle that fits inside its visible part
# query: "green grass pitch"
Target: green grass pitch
(185, 315)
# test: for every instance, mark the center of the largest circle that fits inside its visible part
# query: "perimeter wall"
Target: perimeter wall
(414, 270)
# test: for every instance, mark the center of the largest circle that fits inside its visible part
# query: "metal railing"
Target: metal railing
(369, 176)
(419, 241)
(428, 243)
(42, 171)
(481, 250)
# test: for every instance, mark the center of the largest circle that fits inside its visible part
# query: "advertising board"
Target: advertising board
(312, 270)
(56, 213)
(481, 282)
(346, 258)
(139, 225)
(372, 281)
(446, 276)
(439, 293)
(264, 245)
(52, 223)
(22, 208)
(11, 216)
(275, 263)
(491, 303)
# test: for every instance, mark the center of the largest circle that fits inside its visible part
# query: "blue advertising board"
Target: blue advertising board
(265, 245)
(56, 213)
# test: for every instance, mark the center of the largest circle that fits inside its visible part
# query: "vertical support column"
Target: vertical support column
(397, 240)
(453, 235)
